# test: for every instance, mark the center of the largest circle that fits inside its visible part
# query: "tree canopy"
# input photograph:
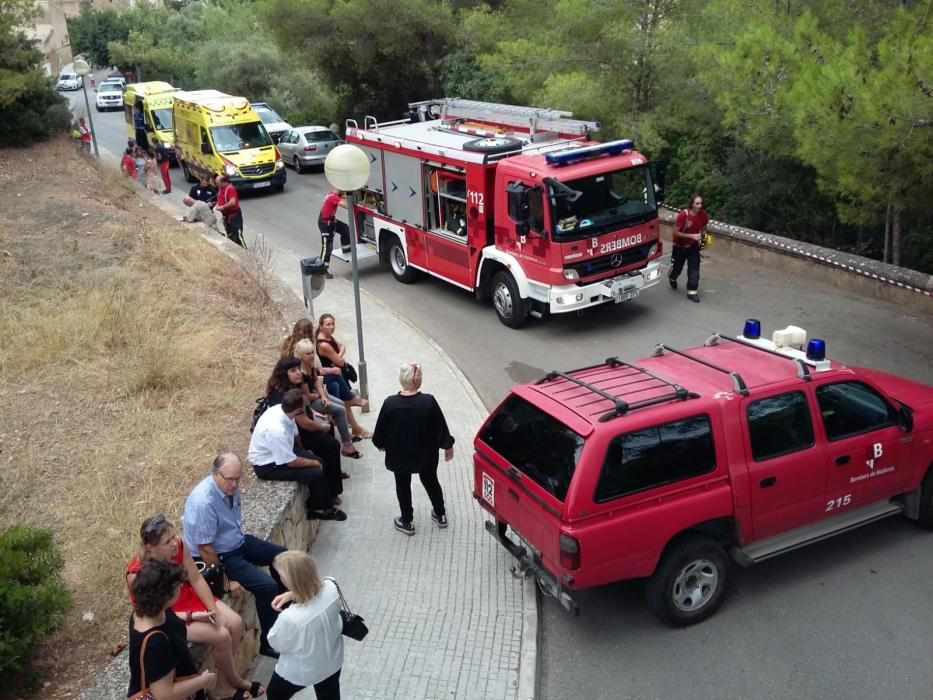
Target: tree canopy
(811, 120)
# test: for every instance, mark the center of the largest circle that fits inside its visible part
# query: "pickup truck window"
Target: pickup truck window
(779, 425)
(542, 448)
(851, 408)
(651, 457)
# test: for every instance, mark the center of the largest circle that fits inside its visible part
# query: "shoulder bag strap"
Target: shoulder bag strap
(142, 660)
(343, 601)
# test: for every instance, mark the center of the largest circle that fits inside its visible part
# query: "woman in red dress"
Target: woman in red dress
(209, 621)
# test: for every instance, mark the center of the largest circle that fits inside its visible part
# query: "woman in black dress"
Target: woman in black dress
(411, 429)
(160, 662)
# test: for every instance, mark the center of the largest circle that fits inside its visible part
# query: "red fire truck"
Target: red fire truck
(511, 203)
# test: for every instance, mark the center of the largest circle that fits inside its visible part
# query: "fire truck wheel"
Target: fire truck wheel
(187, 173)
(493, 145)
(401, 270)
(926, 501)
(689, 583)
(511, 309)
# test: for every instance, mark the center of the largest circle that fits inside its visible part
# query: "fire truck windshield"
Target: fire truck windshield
(606, 201)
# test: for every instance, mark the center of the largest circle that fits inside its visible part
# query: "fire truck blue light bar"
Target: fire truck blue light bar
(613, 148)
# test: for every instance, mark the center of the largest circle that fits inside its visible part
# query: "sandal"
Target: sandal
(344, 475)
(255, 690)
(365, 435)
(356, 454)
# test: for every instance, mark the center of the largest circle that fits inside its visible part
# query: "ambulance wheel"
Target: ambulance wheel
(511, 309)
(926, 501)
(689, 583)
(297, 163)
(187, 173)
(493, 145)
(401, 270)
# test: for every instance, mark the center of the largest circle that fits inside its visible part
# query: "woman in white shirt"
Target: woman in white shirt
(308, 633)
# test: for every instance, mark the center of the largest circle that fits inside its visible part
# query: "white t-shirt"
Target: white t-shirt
(309, 639)
(273, 440)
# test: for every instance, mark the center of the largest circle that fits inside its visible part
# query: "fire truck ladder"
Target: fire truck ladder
(738, 384)
(536, 119)
(621, 407)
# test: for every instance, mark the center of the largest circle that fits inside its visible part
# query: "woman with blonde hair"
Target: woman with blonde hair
(316, 381)
(411, 429)
(208, 620)
(308, 633)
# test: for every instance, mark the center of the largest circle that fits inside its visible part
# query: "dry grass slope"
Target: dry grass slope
(130, 353)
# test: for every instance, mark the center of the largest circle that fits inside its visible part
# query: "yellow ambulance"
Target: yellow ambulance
(150, 104)
(216, 132)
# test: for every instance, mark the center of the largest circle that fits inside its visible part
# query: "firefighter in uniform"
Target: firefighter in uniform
(689, 227)
(328, 224)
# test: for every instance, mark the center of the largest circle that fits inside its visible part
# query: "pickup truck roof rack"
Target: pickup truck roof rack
(738, 384)
(803, 372)
(639, 377)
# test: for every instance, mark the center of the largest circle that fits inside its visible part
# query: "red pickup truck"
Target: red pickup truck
(666, 468)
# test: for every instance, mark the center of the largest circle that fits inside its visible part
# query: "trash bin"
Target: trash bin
(312, 278)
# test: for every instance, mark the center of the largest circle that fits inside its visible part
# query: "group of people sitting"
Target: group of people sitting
(173, 604)
(307, 400)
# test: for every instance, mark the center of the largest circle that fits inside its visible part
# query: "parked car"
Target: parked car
(275, 125)
(305, 146)
(665, 469)
(109, 96)
(70, 81)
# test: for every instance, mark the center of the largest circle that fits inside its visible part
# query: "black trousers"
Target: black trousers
(233, 225)
(431, 485)
(327, 229)
(327, 449)
(691, 256)
(321, 497)
(281, 689)
(241, 565)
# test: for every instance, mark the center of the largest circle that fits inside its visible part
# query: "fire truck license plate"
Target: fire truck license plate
(626, 294)
(489, 490)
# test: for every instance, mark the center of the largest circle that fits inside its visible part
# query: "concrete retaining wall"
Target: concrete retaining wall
(853, 273)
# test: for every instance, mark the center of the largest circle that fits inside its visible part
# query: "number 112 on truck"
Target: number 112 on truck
(514, 204)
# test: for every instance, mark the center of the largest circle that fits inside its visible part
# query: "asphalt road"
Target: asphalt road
(847, 618)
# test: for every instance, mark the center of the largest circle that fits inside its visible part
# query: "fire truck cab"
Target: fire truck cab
(511, 203)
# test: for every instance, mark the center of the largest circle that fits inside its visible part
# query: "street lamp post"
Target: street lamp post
(347, 169)
(82, 68)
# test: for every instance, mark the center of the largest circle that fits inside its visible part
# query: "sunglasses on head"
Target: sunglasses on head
(154, 525)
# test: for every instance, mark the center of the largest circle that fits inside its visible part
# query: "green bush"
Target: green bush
(33, 598)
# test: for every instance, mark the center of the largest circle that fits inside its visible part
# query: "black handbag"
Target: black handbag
(214, 575)
(354, 626)
(349, 373)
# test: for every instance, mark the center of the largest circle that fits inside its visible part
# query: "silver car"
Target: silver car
(305, 146)
(69, 81)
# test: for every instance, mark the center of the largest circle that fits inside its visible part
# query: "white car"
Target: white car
(275, 125)
(109, 96)
(69, 81)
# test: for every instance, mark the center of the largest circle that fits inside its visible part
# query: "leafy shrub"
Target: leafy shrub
(33, 598)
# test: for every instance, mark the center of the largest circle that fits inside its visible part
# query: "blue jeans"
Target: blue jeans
(241, 564)
(337, 386)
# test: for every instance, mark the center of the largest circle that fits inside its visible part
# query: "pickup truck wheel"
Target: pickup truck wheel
(398, 261)
(926, 501)
(689, 583)
(511, 309)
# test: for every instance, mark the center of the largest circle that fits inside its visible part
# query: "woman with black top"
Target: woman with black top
(160, 661)
(411, 429)
(313, 430)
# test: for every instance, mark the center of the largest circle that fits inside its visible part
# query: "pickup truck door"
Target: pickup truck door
(863, 445)
(786, 464)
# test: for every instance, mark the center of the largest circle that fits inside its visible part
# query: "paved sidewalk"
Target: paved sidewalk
(446, 618)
